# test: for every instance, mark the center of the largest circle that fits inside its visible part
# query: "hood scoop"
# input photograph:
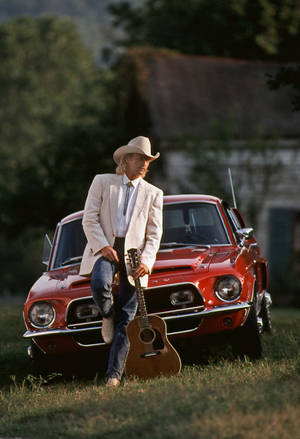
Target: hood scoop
(179, 268)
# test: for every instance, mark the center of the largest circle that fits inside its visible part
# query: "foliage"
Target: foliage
(75, 8)
(90, 16)
(236, 399)
(249, 29)
(56, 129)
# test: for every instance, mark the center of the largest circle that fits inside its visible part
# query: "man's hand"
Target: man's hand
(141, 270)
(110, 254)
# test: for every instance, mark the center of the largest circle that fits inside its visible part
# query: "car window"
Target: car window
(71, 244)
(195, 223)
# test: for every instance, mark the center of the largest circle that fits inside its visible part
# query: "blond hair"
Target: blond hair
(121, 168)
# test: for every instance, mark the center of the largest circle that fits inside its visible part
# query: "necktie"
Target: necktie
(129, 185)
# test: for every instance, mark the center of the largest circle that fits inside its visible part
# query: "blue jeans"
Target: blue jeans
(123, 305)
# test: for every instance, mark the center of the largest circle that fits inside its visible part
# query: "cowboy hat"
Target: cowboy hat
(139, 145)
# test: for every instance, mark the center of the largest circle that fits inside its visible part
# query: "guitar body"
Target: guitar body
(150, 353)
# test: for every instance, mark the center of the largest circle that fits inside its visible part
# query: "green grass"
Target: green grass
(218, 399)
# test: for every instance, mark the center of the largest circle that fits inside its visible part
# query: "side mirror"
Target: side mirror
(244, 234)
(47, 247)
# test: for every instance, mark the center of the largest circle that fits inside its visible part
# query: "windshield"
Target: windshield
(192, 224)
(71, 244)
(184, 224)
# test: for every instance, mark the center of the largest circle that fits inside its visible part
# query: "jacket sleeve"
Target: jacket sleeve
(153, 231)
(91, 219)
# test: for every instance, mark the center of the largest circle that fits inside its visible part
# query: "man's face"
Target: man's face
(136, 166)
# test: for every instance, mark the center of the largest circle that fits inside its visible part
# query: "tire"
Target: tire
(246, 340)
(265, 314)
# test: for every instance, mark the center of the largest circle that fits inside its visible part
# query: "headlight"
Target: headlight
(228, 288)
(41, 314)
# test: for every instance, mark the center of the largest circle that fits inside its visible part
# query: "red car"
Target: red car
(209, 278)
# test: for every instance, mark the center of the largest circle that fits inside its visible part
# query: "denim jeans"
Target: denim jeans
(123, 305)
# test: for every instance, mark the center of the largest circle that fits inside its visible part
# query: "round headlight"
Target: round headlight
(228, 288)
(41, 314)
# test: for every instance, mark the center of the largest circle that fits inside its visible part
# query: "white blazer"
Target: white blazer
(100, 222)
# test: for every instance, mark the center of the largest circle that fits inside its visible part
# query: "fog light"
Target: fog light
(86, 311)
(184, 297)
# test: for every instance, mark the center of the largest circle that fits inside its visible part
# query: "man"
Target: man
(122, 211)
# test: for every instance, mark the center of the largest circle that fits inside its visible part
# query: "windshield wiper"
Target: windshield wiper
(70, 260)
(181, 244)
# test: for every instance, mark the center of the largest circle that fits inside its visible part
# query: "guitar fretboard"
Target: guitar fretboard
(141, 304)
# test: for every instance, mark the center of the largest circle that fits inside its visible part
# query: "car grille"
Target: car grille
(179, 318)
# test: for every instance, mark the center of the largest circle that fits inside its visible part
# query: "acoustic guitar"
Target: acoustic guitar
(150, 352)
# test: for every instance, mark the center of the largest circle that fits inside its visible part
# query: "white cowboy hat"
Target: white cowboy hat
(139, 145)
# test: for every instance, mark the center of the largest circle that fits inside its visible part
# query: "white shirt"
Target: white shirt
(124, 220)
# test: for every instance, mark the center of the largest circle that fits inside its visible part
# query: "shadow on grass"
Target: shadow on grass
(16, 366)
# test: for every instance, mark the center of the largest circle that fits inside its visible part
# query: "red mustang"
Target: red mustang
(209, 278)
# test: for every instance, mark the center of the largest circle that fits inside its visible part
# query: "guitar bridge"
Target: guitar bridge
(150, 354)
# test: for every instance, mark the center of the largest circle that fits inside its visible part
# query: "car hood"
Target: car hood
(202, 259)
(196, 259)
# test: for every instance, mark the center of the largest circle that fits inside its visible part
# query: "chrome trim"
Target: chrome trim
(209, 312)
(224, 225)
(163, 313)
(54, 249)
(217, 310)
(29, 334)
(92, 345)
(81, 325)
(185, 331)
(173, 311)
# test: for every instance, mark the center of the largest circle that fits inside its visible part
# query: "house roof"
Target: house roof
(197, 95)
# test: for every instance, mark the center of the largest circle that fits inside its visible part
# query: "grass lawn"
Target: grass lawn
(218, 399)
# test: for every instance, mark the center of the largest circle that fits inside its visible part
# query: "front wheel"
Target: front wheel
(246, 340)
(265, 313)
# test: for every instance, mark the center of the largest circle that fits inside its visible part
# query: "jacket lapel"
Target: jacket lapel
(114, 191)
(139, 203)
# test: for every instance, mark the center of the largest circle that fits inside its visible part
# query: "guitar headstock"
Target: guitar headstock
(134, 257)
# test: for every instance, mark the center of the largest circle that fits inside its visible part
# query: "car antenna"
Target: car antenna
(232, 188)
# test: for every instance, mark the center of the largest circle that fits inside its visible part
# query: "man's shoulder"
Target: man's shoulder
(104, 178)
(152, 188)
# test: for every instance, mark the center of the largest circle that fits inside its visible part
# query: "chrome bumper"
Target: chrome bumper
(203, 313)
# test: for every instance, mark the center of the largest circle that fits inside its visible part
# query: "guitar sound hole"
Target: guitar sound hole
(147, 335)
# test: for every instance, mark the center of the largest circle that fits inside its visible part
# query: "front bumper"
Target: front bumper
(195, 316)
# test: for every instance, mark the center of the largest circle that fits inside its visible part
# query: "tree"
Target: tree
(250, 29)
(52, 101)
(55, 111)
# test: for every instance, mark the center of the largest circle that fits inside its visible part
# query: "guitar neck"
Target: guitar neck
(141, 303)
